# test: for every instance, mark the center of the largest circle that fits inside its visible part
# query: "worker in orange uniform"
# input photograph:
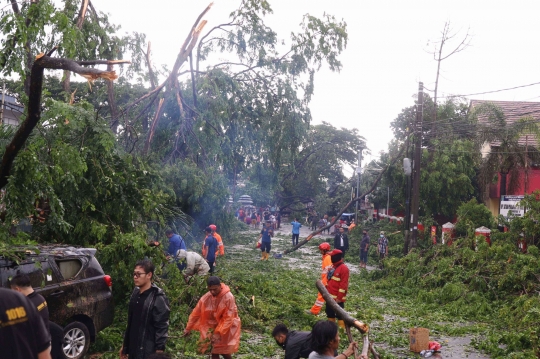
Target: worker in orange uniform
(216, 317)
(338, 283)
(221, 249)
(324, 248)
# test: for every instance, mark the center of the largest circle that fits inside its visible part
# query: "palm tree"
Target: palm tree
(512, 145)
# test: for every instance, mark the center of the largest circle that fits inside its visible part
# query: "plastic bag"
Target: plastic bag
(259, 243)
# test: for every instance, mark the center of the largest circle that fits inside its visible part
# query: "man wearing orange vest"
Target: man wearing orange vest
(221, 249)
(324, 248)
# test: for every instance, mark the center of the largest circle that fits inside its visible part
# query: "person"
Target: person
(210, 248)
(258, 220)
(352, 225)
(21, 283)
(325, 341)
(341, 241)
(273, 220)
(382, 247)
(296, 344)
(216, 315)
(195, 264)
(295, 231)
(241, 215)
(217, 236)
(314, 222)
(266, 243)
(159, 356)
(176, 245)
(338, 284)
(278, 220)
(248, 219)
(254, 219)
(321, 224)
(324, 249)
(23, 334)
(148, 315)
(364, 247)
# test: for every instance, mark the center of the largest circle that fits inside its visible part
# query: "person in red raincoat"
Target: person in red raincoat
(216, 311)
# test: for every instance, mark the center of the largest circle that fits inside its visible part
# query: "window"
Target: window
(69, 268)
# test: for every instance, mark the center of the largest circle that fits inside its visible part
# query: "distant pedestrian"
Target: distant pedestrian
(341, 241)
(278, 219)
(382, 248)
(266, 240)
(364, 247)
(210, 248)
(295, 231)
(148, 316)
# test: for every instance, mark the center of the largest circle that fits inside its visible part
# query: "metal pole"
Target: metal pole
(358, 171)
(416, 164)
(2, 107)
(388, 201)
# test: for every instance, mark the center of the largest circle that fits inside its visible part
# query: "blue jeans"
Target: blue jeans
(265, 247)
(363, 256)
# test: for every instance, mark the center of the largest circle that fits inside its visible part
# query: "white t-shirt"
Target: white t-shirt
(315, 355)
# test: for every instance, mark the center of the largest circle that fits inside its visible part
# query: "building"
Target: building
(10, 110)
(529, 177)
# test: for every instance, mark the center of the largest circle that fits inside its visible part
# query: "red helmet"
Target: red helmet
(324, 246)
(213, 227)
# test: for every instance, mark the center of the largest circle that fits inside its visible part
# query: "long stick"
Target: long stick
(350, 321)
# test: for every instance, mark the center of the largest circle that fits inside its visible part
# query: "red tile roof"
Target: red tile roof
(513, 112)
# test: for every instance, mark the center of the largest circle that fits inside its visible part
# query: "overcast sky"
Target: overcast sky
(387, 53)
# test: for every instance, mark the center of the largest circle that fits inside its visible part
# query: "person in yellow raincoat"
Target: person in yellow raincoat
(324, 248)
(216, 317)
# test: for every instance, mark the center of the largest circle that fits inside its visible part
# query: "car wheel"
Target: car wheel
(76, 340)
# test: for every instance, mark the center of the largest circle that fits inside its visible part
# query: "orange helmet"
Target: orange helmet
(213, 227)
(324, 246)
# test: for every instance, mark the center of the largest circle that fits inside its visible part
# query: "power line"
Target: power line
(488, 92)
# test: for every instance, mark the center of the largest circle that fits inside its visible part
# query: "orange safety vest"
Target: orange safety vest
(220, 249)
(326, 265)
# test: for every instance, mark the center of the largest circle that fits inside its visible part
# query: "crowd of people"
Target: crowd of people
(253, 216)
(215, 316)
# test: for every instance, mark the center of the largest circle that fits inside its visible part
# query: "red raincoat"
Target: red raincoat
(220, 314)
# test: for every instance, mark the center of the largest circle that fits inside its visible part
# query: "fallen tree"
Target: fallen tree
(351, 202)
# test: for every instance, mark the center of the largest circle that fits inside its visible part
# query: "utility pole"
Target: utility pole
(416, 165)
(2, 106)
(359, 172)
(388, 200)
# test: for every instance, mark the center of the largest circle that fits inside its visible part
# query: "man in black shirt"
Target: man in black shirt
(296, 344)
(21, 283)
(341, 241)
(148, 316)
(22, 331)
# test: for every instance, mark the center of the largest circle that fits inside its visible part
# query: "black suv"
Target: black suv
(78, 293)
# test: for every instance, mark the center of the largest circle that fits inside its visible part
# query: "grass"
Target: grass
(390, 301)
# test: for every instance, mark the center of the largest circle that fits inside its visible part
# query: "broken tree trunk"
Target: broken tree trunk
(41, 63)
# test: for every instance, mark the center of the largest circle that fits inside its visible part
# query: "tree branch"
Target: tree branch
(34, 104)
